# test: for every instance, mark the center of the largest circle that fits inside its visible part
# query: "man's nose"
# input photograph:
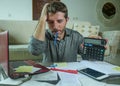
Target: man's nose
(55, 26)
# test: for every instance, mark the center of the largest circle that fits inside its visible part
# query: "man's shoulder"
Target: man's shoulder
(71, 31)
(74, 34)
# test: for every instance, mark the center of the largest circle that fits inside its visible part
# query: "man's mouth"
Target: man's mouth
(54, 32)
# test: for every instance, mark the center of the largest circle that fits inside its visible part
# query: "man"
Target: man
(58, 43)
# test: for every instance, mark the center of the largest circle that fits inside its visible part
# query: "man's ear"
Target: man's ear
(67, 19)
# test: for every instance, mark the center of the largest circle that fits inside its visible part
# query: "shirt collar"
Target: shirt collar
(67, 32)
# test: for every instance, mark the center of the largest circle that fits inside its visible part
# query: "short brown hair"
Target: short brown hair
(57, 6)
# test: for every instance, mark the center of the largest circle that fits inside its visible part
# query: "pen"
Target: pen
(55, 39)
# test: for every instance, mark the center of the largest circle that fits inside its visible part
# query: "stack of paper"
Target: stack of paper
(11, 82)
(50, 77)
(103, 67)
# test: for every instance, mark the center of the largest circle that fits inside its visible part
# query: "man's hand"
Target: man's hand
(40, 28)
(99, 37)
(94, 36)
(44, 12)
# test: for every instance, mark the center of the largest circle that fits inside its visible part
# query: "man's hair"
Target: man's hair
(57, 6)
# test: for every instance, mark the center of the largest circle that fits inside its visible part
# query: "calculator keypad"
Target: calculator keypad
(93, 52)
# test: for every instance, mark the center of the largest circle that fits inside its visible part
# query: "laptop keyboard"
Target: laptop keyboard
(17, 63)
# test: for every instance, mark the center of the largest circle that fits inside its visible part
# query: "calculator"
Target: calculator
(93, 49)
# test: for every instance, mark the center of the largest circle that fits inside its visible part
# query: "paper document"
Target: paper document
(116, 68)
(48, 76)
(103, 67)
(29, 69)
(67, 79)
(61, 64)
(10, 81)
(36, 83)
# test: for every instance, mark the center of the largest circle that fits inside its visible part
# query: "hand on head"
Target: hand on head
(44, 12)
(99, 37)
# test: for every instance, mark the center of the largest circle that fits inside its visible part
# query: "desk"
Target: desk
(68, 79)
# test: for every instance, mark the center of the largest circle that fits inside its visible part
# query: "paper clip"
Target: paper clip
(53, 65)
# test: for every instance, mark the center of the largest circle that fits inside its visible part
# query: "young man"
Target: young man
(58, 43)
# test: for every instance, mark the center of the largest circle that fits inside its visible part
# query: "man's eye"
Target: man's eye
(59, 21)
(50, 22)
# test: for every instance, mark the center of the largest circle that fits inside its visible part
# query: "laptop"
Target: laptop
(17, 69)
(4, 53)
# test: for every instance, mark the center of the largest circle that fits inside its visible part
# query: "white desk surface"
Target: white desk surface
(68, 79)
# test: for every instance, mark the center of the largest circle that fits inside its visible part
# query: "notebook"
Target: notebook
(17, 69)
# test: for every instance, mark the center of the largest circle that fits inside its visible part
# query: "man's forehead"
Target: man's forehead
(56, 15)
(54, 19)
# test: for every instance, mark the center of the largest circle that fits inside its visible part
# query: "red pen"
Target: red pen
(63, 70)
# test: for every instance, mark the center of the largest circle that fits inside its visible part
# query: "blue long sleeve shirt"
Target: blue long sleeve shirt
(65, 50)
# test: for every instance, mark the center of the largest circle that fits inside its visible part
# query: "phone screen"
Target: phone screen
(91, 72)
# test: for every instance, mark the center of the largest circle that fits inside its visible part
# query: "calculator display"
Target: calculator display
(98, 42)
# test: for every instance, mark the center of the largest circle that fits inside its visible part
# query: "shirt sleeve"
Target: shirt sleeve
(81, 41)
(36, 47)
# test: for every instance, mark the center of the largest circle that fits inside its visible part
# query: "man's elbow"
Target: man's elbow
(33, 51)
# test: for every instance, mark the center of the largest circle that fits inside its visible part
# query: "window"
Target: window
(108, 12)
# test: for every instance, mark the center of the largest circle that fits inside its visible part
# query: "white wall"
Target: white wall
(15, 9)
(86, 10)
(83, 10)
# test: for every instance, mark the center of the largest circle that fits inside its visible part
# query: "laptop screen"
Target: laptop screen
(16, 69)
(4, 51)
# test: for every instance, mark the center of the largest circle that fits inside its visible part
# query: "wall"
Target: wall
(15, 9)
(86, 10)
(83, 10)
(22, 9)
(19, 31)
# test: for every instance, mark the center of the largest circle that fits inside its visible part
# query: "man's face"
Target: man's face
(57, 22)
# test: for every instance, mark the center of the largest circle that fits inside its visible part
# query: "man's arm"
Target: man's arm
(39, 32)
(37, 41)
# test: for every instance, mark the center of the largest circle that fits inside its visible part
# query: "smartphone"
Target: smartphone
(93, 73)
